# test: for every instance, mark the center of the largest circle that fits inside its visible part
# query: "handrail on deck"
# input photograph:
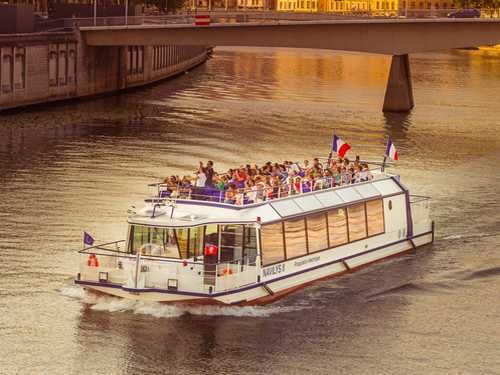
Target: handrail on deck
(122, 254)
(244, 196)
(100, 247)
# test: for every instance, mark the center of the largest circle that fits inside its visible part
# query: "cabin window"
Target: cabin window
(153, 241)
(295, 238)
(357, 221)
(337, 227)
(249, 245)
(375, 217)
(273, 249)
(182, 242)
(195, 244)
(317, 236)
(211, 235)
(231, 246)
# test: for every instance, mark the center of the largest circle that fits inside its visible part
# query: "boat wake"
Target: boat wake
(469, 236)
(158, 310)
(412, 288)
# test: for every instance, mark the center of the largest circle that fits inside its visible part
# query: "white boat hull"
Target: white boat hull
(276, 286)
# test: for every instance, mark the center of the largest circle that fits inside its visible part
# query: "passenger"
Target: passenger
(346, 178)
(363, 174)
(210, 174)
(201, 176)
(230, 196)
(357, 174)
(368, 173)
(251, 189)
(261, 187)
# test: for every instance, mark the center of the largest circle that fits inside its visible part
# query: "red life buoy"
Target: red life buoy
(92, 261)
(210, 249)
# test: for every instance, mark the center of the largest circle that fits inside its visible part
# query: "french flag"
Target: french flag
(339, 146)
(391, 151)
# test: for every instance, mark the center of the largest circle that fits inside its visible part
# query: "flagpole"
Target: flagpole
(383, 163)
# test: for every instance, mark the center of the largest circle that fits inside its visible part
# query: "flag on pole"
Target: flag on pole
(391, 151)
(339, 146)
(88, 239)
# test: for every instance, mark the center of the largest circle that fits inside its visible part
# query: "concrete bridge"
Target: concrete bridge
(395, 37)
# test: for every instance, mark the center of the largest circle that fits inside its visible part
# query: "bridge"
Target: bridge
(397, 37)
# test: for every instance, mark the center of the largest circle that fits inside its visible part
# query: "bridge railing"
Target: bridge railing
(222, 17)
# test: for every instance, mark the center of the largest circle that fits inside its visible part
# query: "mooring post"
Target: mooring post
(399, 93)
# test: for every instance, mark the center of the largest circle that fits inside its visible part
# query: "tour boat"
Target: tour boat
(198, 249)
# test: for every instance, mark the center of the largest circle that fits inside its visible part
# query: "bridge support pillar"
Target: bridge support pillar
(399, 93)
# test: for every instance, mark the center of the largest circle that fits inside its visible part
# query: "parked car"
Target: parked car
(465, 13)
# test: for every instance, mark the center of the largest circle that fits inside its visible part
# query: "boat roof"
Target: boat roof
(177, 213)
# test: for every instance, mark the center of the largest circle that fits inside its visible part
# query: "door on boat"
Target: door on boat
(211, 253)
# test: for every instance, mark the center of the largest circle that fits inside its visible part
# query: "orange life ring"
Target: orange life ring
(92, 261)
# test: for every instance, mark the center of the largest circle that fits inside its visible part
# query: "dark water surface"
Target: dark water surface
(79, 166)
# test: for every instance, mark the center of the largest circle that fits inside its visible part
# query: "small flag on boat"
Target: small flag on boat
(339, 146)
(88, 239)
(391, 151)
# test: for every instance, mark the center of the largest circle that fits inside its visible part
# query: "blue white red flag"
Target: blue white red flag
(339, 146)
(88, 239)
(391, 151)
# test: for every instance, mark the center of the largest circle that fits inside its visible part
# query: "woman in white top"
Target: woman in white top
(201, 176)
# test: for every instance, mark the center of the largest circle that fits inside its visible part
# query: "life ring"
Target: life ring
(92, 261)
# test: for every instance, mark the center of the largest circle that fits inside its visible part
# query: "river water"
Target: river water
(78, 166)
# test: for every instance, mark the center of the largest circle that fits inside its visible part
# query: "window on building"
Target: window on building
(72, 67)
(129, 60)
(61, 79)
(317, 235)
(337, 227)
(20, 69)
(140, 59)
(273, 250)
(375, 217)
(7, 73)
(52, 68)
(295, 238)
(134, 60)
(357, 221)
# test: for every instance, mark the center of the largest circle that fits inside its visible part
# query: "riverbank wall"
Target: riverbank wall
(48, 67)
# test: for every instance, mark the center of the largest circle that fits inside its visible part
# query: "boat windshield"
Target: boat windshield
(181, 243)
(234, 242)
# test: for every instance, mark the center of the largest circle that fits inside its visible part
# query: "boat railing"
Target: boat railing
(144, 271)
(295, 185)
(420, 208)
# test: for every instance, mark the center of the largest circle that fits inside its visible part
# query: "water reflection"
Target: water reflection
(79, 166)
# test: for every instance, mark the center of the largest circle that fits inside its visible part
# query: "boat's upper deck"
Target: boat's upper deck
(195, 210)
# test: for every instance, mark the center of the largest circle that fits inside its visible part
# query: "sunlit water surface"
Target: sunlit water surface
(78, 166)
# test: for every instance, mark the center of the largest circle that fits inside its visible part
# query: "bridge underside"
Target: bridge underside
(397, 37)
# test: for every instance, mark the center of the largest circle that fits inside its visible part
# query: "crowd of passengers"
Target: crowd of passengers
(252, 184)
